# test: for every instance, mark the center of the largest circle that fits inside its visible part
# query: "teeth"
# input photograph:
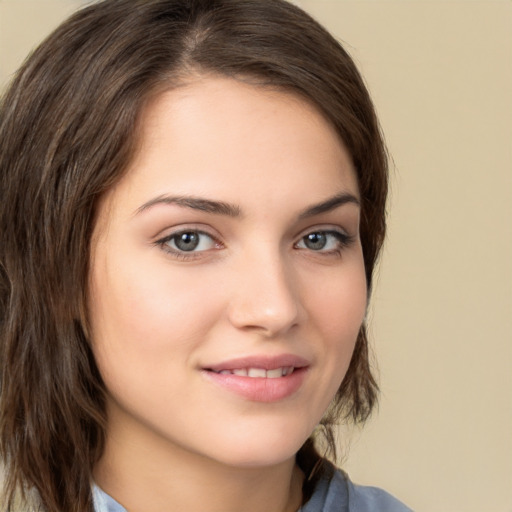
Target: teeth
(287, 370)
(256, 372)
(260, 372)
(275, 374)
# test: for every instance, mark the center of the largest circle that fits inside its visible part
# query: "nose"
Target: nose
(265, 296)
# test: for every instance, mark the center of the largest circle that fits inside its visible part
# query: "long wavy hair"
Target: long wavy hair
(68, 129)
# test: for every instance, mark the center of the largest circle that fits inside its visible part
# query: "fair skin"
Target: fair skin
(227, 289)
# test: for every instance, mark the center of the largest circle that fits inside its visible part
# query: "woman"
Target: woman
(193, 204)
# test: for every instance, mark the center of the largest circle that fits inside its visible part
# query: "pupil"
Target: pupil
(315, 241)
(187, 241)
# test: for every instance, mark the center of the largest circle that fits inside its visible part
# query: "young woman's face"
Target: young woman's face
(227, 285)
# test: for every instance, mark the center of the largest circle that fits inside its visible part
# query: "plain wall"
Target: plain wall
(441, 318)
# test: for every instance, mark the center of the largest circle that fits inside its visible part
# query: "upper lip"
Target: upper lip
(264, 362)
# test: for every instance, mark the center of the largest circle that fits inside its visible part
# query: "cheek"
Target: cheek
(340, 305)
(141, 313)
(147, 325)
(337, 311)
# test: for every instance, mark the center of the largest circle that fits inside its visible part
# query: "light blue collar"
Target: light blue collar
(103, 502)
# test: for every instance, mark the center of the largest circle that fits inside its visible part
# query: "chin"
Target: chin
(253, 459)
(261, 448)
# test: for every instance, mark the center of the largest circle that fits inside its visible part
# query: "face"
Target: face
(227, 284)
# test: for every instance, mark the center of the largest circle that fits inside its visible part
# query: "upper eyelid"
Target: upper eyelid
(169, 232)
(163, 240)
(323, 228)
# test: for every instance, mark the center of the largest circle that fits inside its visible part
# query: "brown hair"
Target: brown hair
(67, 132)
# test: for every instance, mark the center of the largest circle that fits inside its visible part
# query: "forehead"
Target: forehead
(223, 137)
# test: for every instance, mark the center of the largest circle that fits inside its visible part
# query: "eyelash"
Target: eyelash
(342, 241)
(163, 243)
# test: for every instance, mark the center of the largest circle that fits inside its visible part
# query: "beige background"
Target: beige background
(441, 76)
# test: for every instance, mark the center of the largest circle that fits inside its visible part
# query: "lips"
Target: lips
(260, 378)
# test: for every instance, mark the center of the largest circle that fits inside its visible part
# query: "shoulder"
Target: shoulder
(336, 493)
(366, 499)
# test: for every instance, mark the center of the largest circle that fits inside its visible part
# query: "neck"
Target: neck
(146, 473)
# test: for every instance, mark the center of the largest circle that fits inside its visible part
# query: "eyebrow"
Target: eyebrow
(329, 204)
(195, 203)
(233, 210)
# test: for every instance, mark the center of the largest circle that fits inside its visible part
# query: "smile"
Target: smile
(259, 373)
(260, 378)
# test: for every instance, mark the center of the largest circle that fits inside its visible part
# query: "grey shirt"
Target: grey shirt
(335, 493)
(338, 494)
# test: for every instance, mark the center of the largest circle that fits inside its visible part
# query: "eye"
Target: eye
(324, 241)
(188, 241)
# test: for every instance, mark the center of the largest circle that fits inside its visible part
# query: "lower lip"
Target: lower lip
(258, 389)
